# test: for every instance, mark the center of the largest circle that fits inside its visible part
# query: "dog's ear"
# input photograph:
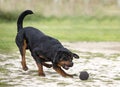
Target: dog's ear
(75, 56)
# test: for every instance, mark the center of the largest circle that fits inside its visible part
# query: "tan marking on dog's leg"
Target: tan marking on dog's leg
(61, 72)
(40, 69)
(23, 62)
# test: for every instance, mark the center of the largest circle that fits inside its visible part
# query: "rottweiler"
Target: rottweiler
(43, 48)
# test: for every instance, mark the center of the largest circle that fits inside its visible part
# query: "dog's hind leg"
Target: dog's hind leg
(23, 51)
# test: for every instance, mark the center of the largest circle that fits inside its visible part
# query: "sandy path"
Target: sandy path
(100, 47)
(101, 60)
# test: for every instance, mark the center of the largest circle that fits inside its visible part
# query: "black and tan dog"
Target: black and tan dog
(43, 48)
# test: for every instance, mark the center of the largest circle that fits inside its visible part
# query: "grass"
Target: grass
(4, 84)
(65, 29)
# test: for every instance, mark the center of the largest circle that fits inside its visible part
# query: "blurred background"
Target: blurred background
(62, 8)
(66, 20)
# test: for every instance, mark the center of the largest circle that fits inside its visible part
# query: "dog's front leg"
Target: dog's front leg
(39, 64)
(40, 69)
(61, 72)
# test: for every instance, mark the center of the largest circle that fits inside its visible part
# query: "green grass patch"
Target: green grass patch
(3, 70)
(7, 36)
(117, 79)
(4, 84)
(65, 29)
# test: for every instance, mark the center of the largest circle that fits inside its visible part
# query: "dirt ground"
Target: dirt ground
(101, 47)
(101, 60)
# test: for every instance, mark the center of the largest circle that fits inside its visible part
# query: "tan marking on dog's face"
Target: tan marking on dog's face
(65, 64)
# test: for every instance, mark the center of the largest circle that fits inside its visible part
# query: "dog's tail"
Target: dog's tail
(20, 19)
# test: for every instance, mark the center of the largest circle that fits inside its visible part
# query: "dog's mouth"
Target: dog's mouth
(66, 67)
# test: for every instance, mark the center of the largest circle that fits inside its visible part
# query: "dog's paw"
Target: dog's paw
(41, 74)
(25, 68)
(71, 76)
(50, 65)
(75, 75)
(68, 76)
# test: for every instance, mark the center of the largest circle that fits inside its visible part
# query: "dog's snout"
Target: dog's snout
(71, 64)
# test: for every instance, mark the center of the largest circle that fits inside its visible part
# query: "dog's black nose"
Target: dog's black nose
(71, 64)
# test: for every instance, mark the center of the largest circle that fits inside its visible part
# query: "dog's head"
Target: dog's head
(63, 58)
